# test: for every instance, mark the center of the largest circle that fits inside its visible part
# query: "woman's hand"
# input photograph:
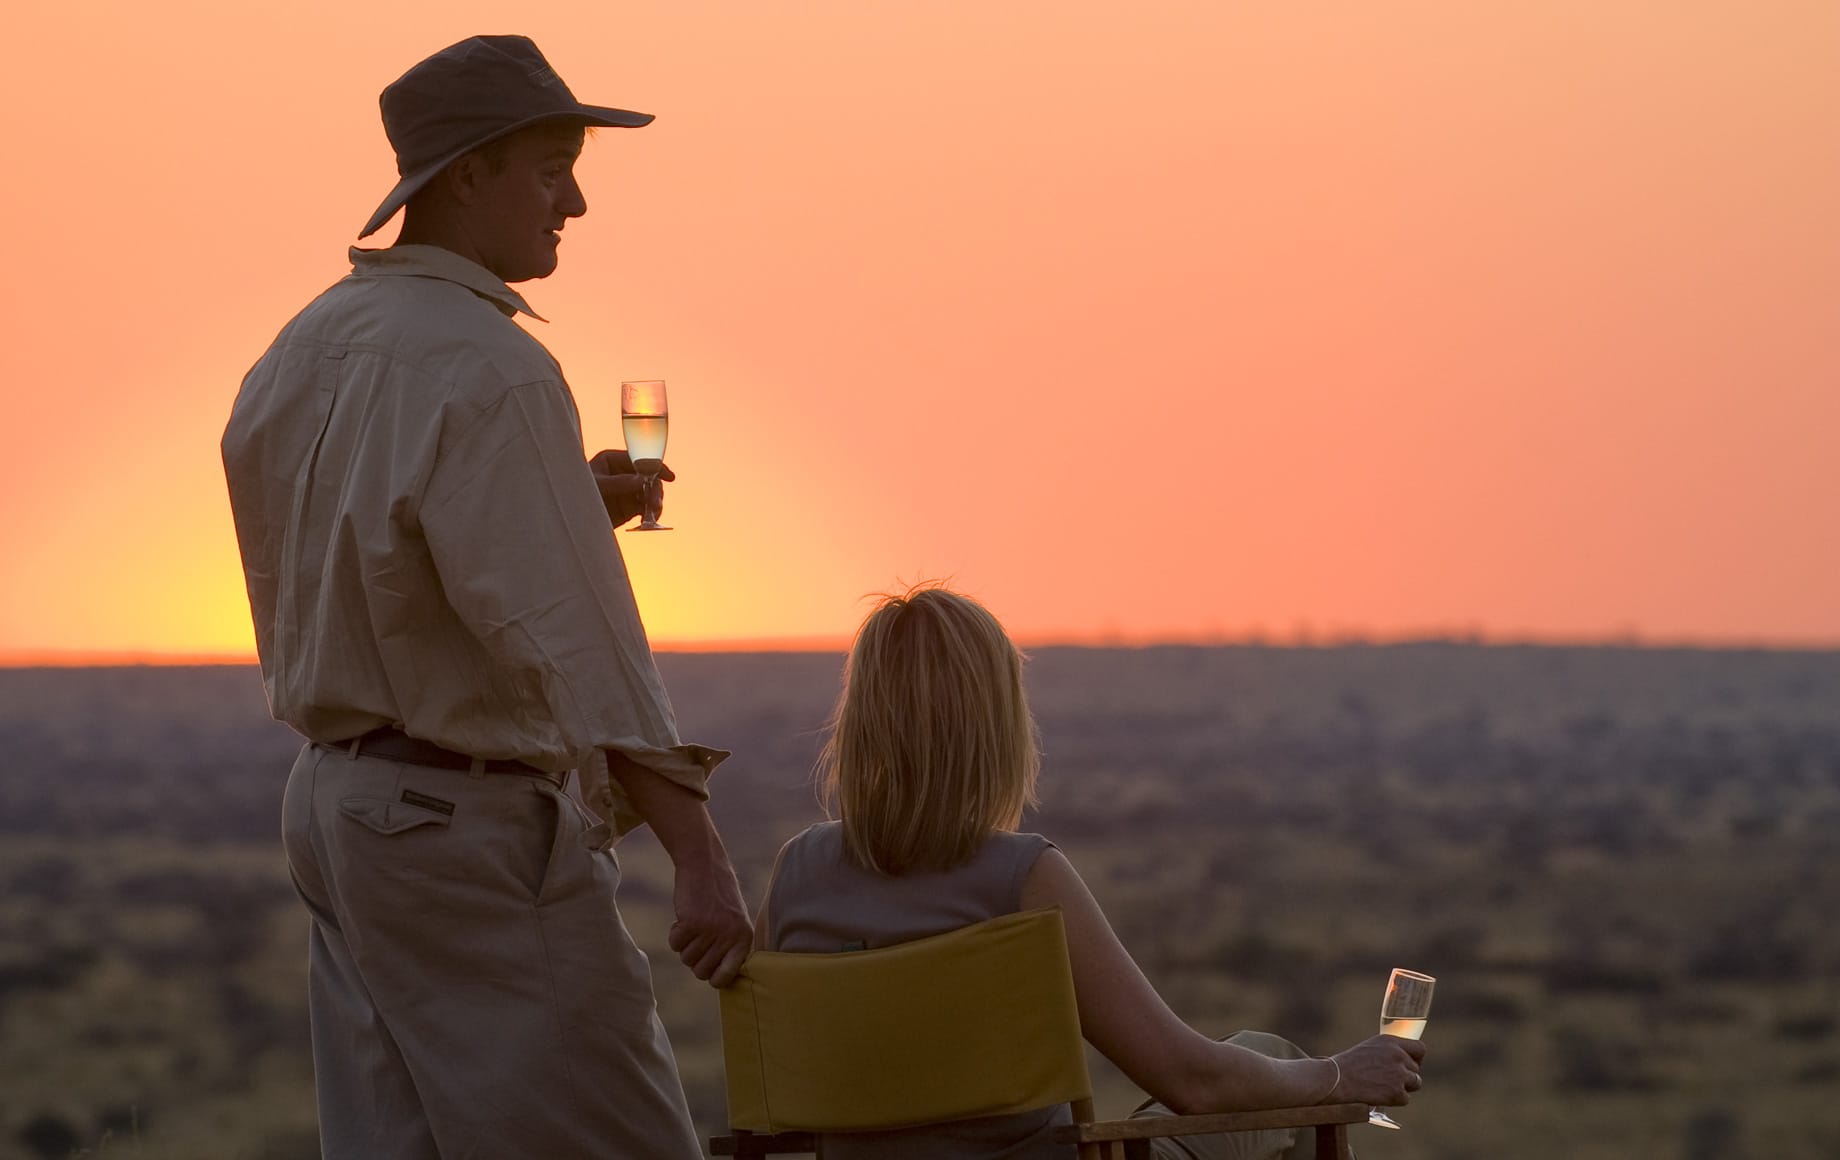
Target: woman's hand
(623, 489)
(1382, 1071)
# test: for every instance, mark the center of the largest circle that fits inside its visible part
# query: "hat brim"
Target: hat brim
(411, 183)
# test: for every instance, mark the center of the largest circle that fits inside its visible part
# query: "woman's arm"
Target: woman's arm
(1122, 1015)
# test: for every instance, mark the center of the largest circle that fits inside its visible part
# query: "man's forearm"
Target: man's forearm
(677, 815)
(712, 933)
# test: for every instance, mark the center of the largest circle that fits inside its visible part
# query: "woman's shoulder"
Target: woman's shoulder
(1005, 861)
(819, 844)
(817, 836)
(1021, 840)
(1009, 846)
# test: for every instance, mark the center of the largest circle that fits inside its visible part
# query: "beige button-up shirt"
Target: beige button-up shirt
(423, 542)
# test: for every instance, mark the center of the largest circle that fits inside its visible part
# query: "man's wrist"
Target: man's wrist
(700, 852)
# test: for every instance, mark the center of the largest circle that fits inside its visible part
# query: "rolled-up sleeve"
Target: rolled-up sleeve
(525, 553)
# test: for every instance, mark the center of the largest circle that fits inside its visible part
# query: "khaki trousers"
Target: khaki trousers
(473, 992)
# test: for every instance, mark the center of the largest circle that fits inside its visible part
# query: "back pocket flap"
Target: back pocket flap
(388, 817)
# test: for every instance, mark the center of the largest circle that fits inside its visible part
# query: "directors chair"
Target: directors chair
(979, 1021)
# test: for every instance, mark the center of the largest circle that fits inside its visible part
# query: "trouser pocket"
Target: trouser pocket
(386, 817)
(499, 834)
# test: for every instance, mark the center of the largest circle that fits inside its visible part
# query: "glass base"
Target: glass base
(649, 526)
(1380, 1119)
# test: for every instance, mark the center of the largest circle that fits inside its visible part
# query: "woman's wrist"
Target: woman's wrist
(1335, 1080)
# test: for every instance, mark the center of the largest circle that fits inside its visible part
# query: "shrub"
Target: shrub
(1588, 1060)
(49, 1136)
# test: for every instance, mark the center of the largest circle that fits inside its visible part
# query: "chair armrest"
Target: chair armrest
(763, 1144)
(1150, 1127)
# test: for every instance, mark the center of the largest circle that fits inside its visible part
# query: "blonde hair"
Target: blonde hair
(931, 745)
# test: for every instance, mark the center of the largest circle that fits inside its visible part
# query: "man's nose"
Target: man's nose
(572, 202)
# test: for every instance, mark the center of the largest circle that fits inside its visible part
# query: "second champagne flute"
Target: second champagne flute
(1403, 1012)
(645, 420)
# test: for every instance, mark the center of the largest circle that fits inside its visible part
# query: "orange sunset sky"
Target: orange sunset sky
(1143, 321)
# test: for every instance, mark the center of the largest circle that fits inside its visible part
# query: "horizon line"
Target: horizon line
(26, 658)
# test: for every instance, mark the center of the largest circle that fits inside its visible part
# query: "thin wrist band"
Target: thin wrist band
(1334, 1083)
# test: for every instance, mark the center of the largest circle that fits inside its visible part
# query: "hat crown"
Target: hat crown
(466, 93)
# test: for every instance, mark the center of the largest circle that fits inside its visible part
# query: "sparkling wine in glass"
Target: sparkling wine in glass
(645, 419)
(1403, 1012)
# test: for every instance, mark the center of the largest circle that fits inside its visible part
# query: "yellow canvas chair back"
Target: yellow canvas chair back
(979, 1021)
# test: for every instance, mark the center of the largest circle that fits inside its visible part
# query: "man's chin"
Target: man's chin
(535, 270)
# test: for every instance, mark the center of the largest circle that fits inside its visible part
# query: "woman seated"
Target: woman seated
(930, 761)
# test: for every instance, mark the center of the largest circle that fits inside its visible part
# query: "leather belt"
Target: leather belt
(393, 744)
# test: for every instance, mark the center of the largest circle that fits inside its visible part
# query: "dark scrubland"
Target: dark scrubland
(1622, 864)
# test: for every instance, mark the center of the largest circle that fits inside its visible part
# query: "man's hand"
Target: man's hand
(712, 933)
(623, 489)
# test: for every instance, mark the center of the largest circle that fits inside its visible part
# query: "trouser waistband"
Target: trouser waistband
(393, 744)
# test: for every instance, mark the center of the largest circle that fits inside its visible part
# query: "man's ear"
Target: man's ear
(464, 176)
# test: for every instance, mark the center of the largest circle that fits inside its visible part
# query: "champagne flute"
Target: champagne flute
(1403, 1012)
(644, 419)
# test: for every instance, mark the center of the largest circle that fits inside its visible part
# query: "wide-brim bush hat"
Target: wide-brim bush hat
(467, 95)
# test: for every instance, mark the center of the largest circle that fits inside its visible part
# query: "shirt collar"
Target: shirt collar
(434, 262)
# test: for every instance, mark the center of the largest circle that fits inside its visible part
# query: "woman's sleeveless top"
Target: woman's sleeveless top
(821, 903)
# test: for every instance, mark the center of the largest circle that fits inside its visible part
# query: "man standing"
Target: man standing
(441, 610)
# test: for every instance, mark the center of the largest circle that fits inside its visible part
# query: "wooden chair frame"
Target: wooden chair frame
(1112, 1139)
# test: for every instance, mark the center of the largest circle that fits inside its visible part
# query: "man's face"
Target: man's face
(526, 191)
